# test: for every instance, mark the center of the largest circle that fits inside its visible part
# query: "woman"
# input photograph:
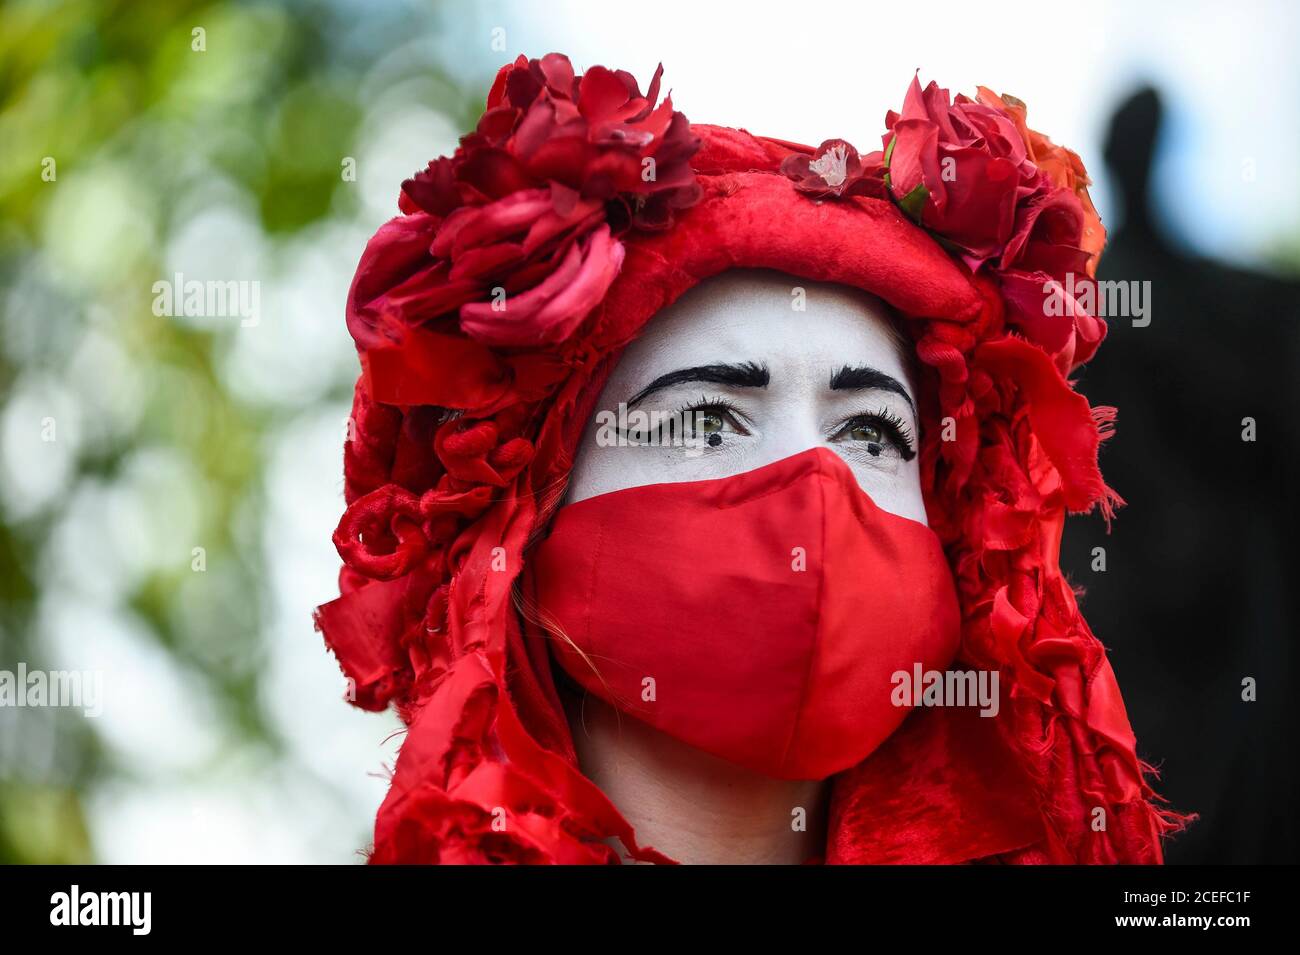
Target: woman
(705, 493)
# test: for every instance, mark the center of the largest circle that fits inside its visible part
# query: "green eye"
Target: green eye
(708, 422)
(709, 419)
(867, 432)
(877, 433)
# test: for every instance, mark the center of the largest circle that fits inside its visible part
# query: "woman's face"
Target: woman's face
(758, 380)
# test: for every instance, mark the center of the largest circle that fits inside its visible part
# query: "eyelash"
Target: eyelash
(893, 427)
(705, 403)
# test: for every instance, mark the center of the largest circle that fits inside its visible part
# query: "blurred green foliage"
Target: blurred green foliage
(135, 120)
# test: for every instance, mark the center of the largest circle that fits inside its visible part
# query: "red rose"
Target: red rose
(959, 169)
(997, 192)
(1062, 166)
(1056, 244)
(517, 231)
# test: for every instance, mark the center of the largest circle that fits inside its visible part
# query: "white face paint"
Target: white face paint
(761, 390)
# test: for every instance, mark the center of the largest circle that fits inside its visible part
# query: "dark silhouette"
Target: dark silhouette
(1202, 579)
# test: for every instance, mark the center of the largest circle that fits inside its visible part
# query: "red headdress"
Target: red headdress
(487, 317)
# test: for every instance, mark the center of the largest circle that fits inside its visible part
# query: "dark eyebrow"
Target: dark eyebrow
(865, 377)
(747, 375)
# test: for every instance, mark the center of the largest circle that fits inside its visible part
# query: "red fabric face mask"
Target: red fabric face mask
(758, 617)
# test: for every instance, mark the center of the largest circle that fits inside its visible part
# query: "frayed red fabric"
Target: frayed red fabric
(463, 440)
(945, 788)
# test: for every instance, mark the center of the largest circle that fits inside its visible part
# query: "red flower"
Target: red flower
(959, 169)
(998, 193)
(1062, 166)
(836, 171)
(517, 231)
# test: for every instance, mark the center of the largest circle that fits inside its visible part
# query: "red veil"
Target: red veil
(487, 316)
